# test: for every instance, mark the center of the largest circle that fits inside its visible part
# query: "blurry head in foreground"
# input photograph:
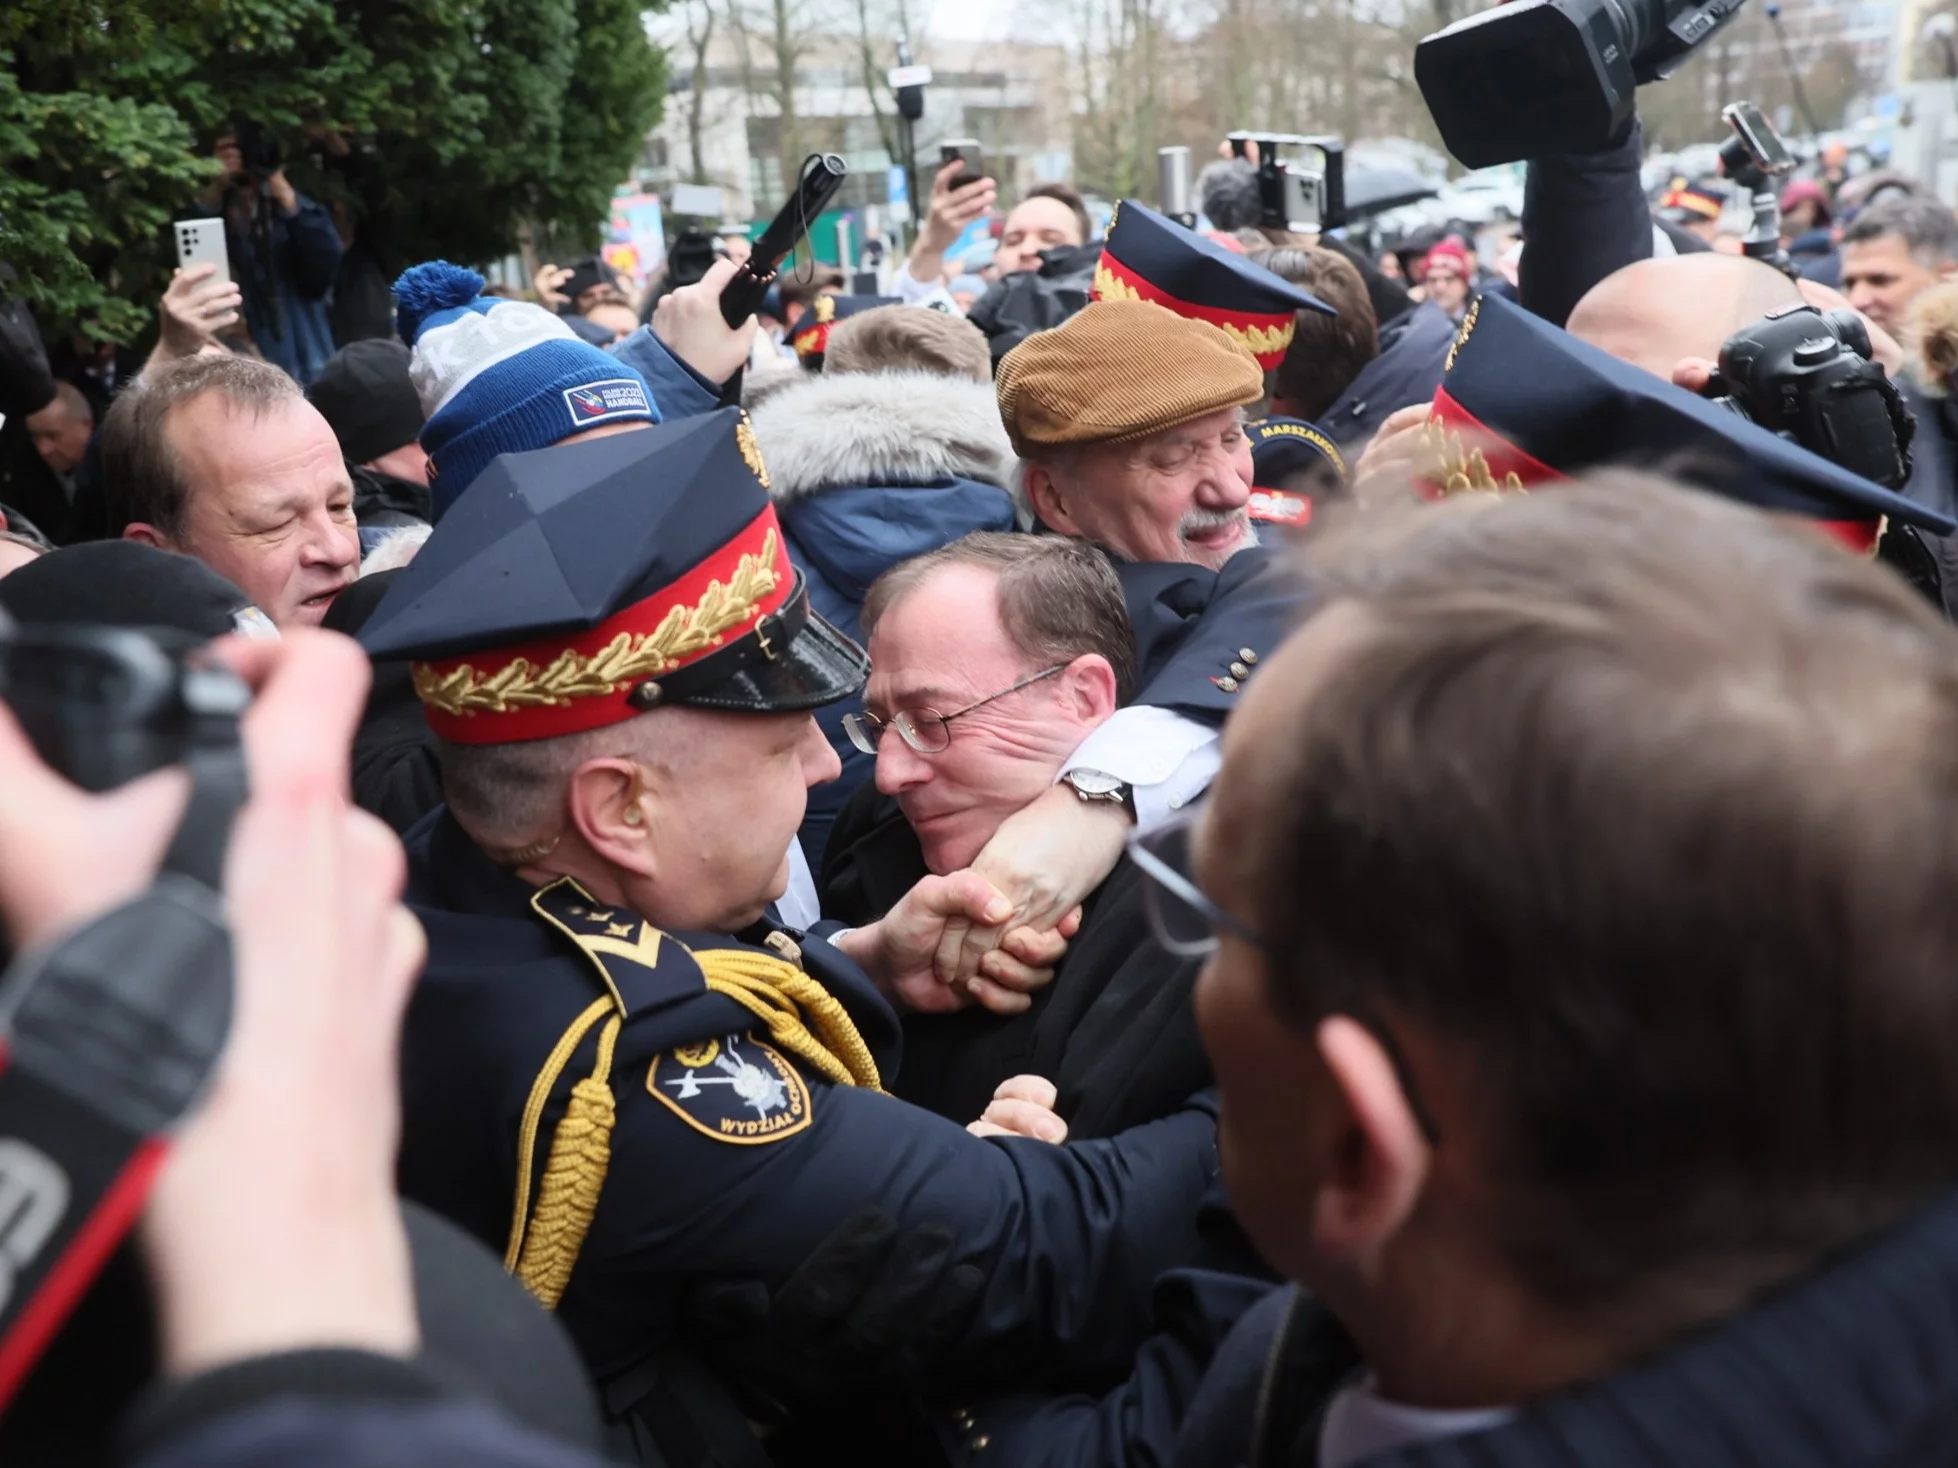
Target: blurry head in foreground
(1588, 865)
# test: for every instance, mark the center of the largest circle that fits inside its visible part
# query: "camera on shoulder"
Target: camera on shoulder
(1807, 375)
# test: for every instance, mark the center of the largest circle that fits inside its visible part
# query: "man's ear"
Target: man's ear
(1381, 1159)
(147, 534)
(1044, 495)
(1089, 684)
(609, 813)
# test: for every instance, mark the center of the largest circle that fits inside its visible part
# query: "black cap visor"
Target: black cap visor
(792, 660)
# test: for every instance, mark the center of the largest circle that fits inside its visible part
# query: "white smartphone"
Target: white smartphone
(201, 241)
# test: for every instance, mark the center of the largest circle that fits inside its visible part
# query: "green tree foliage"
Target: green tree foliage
(459, 121)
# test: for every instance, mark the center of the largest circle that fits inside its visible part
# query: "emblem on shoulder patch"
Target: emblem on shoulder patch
(734, 1089)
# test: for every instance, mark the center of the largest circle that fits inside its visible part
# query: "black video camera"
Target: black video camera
(1554, 76)
(1301, 180)
(1807, 375)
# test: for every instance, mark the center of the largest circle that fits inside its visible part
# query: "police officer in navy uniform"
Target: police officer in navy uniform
(619, 662)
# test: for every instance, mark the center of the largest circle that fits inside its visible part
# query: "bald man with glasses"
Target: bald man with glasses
(992, 660)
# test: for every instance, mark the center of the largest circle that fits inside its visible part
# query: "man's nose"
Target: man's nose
(820, 763)
(899, 766)
(331, 544)
(1226, 482)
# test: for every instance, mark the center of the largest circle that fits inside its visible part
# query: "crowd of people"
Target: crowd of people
(1183, 855)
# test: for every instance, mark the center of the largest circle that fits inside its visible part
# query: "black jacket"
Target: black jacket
(1855, 1366)
(1027, 301)
(1584, 216)
(1114, 1032)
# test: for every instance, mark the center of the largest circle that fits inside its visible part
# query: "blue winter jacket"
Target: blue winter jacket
(868, 470)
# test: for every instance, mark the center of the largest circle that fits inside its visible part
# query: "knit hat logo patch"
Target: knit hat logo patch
(602, 402)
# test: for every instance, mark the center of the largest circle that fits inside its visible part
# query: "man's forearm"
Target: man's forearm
(1584, 216)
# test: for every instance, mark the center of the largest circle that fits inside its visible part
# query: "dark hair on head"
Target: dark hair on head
(1069, 195)
(801, 287)
(1643, 806)
(1227, 193)
(1327, 352)
(142, 477)
(1926, 226)
(1059, 598)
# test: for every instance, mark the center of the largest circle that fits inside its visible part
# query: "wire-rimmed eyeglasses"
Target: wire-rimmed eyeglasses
(925, 729)
(1181, 918)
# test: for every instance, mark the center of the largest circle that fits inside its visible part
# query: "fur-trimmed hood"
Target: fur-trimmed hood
(886, 428)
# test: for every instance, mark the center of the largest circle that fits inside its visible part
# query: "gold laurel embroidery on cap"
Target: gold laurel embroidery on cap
(1462, 336)
(825, 309)
(1111, 287)
(744, 440)
(1457, 469)
(1262, 340)
(685, 630)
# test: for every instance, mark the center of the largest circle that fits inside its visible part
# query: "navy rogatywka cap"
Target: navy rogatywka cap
(1282, 450)
(1554, 405)
(810, 334)
(577, 586)
(1149, 257)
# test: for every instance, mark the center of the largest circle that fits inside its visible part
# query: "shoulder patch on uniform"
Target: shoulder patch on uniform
(735, 1089)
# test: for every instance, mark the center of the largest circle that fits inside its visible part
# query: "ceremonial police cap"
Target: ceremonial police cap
(1524, 402)
(579, 585)
(1687, 203)
(1149, 258)
(810, 335)
(1282, 449)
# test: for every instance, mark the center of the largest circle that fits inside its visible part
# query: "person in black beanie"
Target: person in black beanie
(365, 393)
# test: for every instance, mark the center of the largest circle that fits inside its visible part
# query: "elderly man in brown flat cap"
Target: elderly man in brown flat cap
(1128, 421)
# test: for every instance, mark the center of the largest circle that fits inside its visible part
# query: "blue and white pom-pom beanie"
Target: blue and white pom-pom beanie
(500, 377)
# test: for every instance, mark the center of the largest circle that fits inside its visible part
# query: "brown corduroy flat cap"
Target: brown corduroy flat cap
(1120, 370)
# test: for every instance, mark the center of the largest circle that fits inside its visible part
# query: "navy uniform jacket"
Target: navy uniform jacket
(704, 1181)
(1194, 626)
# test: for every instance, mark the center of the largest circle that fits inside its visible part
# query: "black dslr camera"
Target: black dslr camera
(1554, 76)
(105, 705)
(112, 1031)
(1807, 375)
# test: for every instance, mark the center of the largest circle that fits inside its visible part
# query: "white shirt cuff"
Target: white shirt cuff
(910, 289)
(1167, 760)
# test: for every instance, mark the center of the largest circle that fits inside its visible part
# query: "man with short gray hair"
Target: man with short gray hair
(1893, 253)
(992, 660)
(222, 458)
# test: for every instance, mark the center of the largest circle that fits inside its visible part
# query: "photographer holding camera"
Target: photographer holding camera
(284, 251)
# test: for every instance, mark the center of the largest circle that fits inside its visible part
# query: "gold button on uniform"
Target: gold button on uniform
(980, 1442)
(962, 1420)
(1246, 655)
(1238, 670)
(1229, 685)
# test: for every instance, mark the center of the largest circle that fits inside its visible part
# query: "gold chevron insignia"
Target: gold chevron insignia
(624, 660)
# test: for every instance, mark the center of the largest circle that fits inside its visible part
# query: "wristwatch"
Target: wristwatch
(1093, 786)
